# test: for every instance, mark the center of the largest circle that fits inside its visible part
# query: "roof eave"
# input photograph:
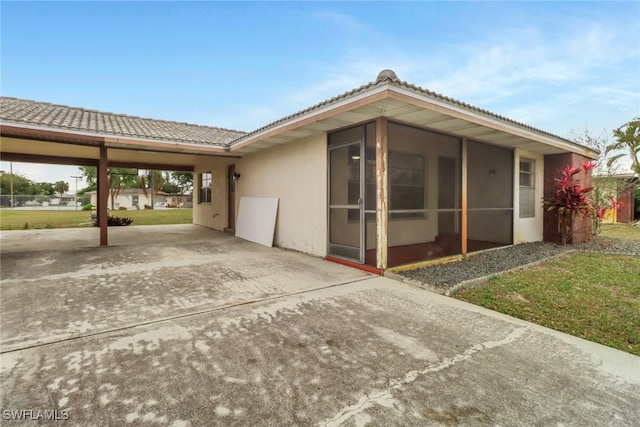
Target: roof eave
(366, 97)
(494, 122)
(110, 140)
(400, 91)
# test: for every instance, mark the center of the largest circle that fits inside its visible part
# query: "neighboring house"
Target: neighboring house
(65, 199)
(132, 198)
(385, 174)
(623, 188)
(179, 200)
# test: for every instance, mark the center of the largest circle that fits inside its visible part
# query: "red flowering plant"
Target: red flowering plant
(601, 212)
(570, 200)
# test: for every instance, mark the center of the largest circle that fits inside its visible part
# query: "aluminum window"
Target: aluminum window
(527, 188)
(204, 187)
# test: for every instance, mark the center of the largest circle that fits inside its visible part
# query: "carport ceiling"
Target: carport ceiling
(34, 151)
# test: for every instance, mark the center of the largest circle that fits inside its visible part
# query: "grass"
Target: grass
(21, 220)
(589, 295)
(620, 231)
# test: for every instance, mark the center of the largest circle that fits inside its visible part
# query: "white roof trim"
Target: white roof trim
(476, 117)
(527, 133)
(305, 116)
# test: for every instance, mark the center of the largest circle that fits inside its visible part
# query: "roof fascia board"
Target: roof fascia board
(367, 97)
(56, 160)
(424, 101)
(167, 146)
(79, 137)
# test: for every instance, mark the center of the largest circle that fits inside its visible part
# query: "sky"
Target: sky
(564, 67)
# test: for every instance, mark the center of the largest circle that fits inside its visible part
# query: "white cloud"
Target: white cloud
(530, 76)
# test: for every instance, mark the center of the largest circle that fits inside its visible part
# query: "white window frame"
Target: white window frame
(527, 196)
(205, 180)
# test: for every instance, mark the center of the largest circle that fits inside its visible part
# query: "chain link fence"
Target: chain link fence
(42, 202)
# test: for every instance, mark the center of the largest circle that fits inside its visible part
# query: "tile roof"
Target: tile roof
(21, 111)
(388, 77)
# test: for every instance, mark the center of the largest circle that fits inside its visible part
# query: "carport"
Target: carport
(37, 132)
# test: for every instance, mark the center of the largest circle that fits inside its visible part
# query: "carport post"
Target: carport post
(103, 193)
(465, 215)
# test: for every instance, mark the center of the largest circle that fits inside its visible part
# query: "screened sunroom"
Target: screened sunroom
(422, 195)
(390, 174)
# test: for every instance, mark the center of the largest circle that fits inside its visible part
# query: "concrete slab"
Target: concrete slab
(360, 350)
(73, 238)
(52, 295)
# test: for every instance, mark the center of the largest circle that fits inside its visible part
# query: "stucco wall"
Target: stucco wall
(296, 173)
(528, 229)
(214, 214)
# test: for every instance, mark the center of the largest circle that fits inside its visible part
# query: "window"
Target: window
(204, 187)
(527, 188)
(406, 184)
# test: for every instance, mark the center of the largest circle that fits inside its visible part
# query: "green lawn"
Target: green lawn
(621, 231)
(20, 220)
(590, 295)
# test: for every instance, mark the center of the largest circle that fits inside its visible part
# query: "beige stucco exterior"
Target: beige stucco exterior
(214, 214)
(528, 229)
(296, 173)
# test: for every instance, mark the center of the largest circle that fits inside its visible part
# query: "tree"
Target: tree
(119, 178)
(90, 187)
(184, 180)
(627, 139)
(170, 187)
(606, 173)
(21, 184)
(61, 187)
(596, 141)
(153, 180)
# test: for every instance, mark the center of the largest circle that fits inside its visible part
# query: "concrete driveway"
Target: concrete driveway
(225, 332)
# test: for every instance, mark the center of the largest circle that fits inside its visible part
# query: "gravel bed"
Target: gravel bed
(446, 276)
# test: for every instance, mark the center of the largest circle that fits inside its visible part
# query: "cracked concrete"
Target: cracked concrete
(247, 335)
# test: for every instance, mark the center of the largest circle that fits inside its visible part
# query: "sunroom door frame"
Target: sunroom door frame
(361, 143)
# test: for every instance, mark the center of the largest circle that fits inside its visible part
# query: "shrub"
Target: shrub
(569, 200)
(87, 207)
(115, 221)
